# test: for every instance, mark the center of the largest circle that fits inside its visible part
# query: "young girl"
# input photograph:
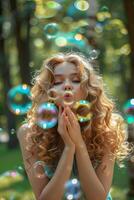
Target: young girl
(86, 150)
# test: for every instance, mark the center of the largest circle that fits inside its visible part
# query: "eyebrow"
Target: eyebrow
(57, 75)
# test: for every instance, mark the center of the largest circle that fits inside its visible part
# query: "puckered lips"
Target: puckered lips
(68, 95)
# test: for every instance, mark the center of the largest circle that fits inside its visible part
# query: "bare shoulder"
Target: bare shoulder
(22, 134)
(37, 183)
(22, 131)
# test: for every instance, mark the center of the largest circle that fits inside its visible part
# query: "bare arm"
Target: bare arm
(44, 188)
(55, 189)
(94, 184)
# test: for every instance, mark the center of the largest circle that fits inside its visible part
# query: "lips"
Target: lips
(68, 95)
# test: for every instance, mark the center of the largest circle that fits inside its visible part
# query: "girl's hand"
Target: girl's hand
(73, 127)
(62, 129)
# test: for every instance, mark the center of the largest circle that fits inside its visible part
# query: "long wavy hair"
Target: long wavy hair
(105, 130)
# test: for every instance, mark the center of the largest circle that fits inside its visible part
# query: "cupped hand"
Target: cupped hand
(63, 130)
(73, 127)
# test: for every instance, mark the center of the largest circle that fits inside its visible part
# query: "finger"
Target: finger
(70, 115)
(64, 124)
(60, 112)
(68, 122)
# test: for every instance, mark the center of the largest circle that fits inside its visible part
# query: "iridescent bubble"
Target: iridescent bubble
(93, 54)
(83, 106)
(72, 189)
(47, 115)
(38, 169)
(47, 10)
(81, 5)
(61, 41)
(19, 99)
(52, 95)
(129, 111)
(51, 30)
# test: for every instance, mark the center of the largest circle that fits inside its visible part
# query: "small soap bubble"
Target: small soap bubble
(81, 5)
(51, 30)
(72, 189)
(93, 55)
(52, 95)
(38, 169)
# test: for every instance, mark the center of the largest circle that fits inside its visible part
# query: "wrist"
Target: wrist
(80, 146)
(70, 148)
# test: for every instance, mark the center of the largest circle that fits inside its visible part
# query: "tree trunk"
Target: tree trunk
(23, 44)
(129, 8)
(5, 74)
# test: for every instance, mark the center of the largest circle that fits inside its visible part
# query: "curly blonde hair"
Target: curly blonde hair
(106, 129)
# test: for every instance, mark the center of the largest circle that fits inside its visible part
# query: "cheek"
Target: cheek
(80, 93)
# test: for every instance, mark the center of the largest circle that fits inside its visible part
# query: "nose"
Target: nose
(68, 86)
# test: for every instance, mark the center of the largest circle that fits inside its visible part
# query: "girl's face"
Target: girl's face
(67, 78)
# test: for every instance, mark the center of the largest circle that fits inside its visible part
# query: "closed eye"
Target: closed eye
(76, 81)
(60, 82)
(57, 83)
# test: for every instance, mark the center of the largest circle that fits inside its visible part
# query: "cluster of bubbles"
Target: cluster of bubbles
(47, 112)
(52, 31)
(129, 111)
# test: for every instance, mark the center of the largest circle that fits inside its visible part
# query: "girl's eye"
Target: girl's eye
(76, 81)
(57, 83)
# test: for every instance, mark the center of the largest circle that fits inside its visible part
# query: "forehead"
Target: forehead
(65, 68)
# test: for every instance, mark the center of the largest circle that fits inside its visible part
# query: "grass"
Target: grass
(17, 187)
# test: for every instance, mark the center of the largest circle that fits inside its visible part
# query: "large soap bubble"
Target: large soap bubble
(47, 115)
(19, 99)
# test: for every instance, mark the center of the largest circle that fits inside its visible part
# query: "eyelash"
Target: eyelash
(58, 83)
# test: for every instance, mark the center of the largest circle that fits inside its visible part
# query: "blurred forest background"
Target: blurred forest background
(32, 30)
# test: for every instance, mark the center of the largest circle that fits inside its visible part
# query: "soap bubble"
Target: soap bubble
(93, 55)
(72, 189)
(129, 111)
(81, 5)
(38, 169)
(51, 30)
(19, 99)
(52, 95)
(47, 115)
(83, 106)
